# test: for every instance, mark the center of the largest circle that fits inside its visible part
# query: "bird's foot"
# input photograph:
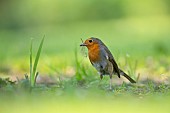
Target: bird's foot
(110, 88)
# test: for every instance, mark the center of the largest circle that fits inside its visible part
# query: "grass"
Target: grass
(33, 73)
(74, 96)
(84, 105)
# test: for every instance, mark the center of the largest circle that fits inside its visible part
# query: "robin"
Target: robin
(102, 59)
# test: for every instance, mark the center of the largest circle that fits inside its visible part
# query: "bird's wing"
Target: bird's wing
(109, 56)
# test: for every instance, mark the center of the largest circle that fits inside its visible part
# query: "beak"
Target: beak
(83, 44)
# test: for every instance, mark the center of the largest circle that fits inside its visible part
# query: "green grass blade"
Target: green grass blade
(31, 60)
(35, 78)
(78, 67)
(36, 63)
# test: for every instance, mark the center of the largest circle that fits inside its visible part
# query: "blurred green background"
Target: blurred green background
(139, 29)
(136, 31)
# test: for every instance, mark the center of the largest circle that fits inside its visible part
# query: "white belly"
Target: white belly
(97, 66)
(100, 66)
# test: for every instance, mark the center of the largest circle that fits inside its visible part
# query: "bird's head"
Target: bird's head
(91, 42)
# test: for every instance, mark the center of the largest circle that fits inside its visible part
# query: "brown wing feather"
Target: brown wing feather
(116, 69)
(111, 59)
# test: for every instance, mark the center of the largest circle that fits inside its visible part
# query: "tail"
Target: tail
(127, 76)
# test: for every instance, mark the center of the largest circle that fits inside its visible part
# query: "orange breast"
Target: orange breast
(94, 53)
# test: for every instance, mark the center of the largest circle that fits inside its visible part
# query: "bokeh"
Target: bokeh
(136, 28)
(137, 32)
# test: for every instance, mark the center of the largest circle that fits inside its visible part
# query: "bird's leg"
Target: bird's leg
(101, 77)
(110, 82)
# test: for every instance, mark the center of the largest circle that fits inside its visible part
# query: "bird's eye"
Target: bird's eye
(90, 41)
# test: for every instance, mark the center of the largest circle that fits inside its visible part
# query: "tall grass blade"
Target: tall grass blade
(31, 60)
(78, 67)
(35, 78)
(36, 63)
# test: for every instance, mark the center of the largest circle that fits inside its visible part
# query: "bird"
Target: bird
(102, 59)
